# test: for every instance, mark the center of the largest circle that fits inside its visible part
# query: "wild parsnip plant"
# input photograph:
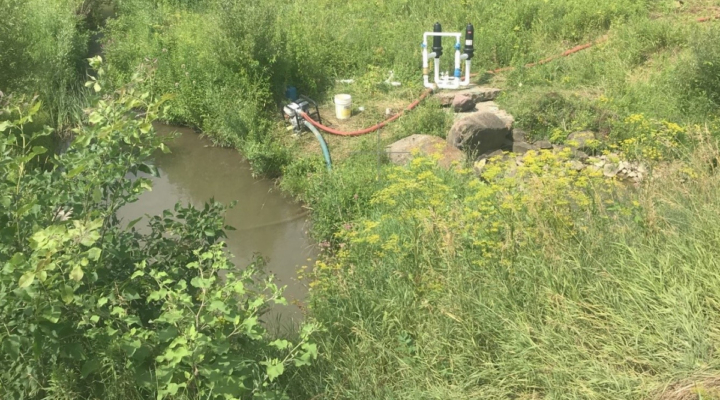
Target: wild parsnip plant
(538, 281)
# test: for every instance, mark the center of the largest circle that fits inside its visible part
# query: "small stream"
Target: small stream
(267, 222)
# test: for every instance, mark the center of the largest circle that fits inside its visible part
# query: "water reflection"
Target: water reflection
(267, 222)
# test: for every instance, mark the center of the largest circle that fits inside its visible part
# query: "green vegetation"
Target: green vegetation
(535, 281)
(93, 309)
(42, 49)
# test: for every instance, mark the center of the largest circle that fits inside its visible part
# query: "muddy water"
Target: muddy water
(266, 221)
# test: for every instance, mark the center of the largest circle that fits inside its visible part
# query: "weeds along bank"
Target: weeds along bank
(537, 281)
(43, 46)
(91, 308)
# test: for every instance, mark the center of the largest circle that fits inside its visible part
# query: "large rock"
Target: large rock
(476, 93)
(401, 151)
(522, 147)
(493, 108)
(518, 135)
(463, 103)
(544, 144)
(479, 133)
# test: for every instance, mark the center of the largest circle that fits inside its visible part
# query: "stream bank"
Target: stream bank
(268, 223)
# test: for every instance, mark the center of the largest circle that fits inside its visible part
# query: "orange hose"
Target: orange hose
(566, 53)
(706, 19)
(370, 129)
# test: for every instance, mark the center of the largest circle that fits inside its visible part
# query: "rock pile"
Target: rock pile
(611, 167)
(482, 131)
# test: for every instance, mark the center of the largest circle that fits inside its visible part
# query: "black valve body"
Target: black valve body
(469, 37)
(437, 41)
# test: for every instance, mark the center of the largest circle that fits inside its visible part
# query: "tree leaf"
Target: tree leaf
(168, 333)
(275, 368)
(133, 222)
(96, 87)
(27, 279)
(90, 238)
(146, 127)
(281, 344)
(89, 367)
(77, 273)
(94, 253)
(67, 294)
(4, 125)
(76, 171)
(51, 314)
(199, 282)
(97, 194)
(95, 118)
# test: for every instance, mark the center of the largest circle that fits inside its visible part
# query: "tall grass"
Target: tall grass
(43, 45)
(613, 297)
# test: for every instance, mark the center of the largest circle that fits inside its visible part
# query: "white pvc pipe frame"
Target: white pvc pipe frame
(448, 82)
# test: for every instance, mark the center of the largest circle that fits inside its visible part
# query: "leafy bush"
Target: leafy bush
(92, 309)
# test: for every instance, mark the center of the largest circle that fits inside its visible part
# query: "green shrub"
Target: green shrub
(94, 309)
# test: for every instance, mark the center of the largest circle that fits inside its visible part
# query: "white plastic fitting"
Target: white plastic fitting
(446, 82)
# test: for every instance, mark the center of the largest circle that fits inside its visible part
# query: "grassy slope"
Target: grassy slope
(43, 45)
(436, 287)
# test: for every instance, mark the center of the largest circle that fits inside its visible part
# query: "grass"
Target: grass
(586, 300)
(434, 284)
(43, 45)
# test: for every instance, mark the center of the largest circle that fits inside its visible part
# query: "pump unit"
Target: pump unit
(445, 80)
(292, 111)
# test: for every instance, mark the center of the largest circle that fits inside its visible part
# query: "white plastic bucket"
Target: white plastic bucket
(343, 106)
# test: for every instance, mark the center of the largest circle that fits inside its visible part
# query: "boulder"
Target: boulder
(577, 165)
(581, 140)
(519, 135)
(492, 154)
(476, 93)
(463, 103)
(493, 108)
(576, 154)
(478, 133)
(580, 155)
(544, 144)
(401, 151)
(522, 147)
